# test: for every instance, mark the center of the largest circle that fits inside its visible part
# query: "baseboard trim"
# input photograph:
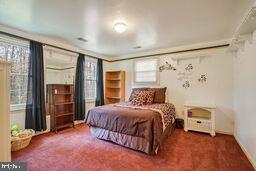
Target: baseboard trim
(47, 131)
(79, 122)
(42, 132)
(223, 132)
(248, 155)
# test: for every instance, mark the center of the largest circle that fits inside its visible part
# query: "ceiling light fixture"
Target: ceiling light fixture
(120, 27)
(82, 39)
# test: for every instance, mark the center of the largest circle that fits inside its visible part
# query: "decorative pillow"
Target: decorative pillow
(143, 97)
(136, 89)
(159, 94)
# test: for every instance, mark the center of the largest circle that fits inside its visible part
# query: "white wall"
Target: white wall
(218, 90)
(18, 117)
(244, 98)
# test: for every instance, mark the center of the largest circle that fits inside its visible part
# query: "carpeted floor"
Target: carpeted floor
(75, 149)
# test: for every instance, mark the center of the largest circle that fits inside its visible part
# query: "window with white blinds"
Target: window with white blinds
(90, 78)
(145, 71)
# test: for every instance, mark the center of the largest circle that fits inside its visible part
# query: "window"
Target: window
(145, 71)
(90, 78)
(18, 54)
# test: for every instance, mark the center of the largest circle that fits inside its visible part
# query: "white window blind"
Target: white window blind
(146, 71)
(90, 78)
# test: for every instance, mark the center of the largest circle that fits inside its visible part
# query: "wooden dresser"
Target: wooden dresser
(60, 105)
(115, 87)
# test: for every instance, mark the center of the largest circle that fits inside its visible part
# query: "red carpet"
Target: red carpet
(75, 149)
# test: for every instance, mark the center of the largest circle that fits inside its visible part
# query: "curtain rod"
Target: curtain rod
(174, 52)
(57, 47)
(60, 69)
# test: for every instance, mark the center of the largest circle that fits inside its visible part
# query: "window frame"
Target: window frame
(156, 71)
(14, 42)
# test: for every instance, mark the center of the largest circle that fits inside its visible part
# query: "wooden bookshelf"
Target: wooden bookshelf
(115, 87)
(60, 105)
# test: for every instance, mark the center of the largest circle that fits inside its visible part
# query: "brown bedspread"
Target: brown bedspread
(135, 122)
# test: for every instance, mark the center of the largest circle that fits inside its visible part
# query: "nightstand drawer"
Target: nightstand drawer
(202, 125)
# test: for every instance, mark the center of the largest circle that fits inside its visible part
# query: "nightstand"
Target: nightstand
(199, 117)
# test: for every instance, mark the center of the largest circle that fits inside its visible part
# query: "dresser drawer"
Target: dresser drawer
(200, 125)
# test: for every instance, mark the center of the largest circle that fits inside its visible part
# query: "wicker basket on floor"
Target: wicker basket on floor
(21, 143)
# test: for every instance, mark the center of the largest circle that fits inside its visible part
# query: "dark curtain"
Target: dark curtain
(79, 89)
(35, 107)
(99, 84)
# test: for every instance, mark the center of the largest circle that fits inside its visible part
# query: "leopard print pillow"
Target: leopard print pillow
(143, 98)
(137, 89)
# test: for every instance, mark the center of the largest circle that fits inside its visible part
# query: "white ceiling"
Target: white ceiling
(152, 24)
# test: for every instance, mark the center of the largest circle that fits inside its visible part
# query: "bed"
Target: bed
(139, 127)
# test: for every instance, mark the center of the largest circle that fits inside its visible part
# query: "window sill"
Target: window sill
(89, 100)
(17, 107)
(147, 83)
